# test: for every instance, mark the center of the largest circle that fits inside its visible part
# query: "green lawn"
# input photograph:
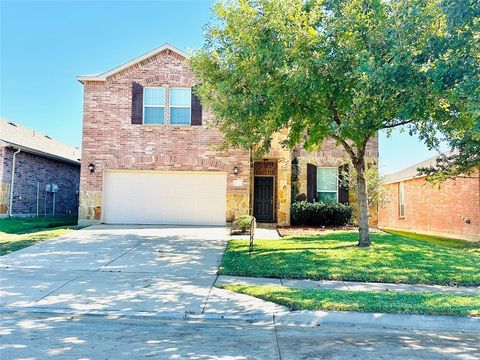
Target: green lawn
(438, 240)
(365, 301)
(335, 256)
(18, 233)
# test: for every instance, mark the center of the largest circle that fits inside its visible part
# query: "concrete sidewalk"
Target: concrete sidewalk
(347, 285)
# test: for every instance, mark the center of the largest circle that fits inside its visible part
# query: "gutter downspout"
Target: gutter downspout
(12, 183)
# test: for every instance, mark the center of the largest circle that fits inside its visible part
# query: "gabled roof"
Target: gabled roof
(31, 141)
(411, 171)
(103, 76)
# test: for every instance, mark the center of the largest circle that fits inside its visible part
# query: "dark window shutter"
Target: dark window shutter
(343, 184)
(311, 182)
(196, 114)
(137, 103)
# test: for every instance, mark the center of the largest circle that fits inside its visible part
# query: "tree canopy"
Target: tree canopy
(462, 161)
(340, 69)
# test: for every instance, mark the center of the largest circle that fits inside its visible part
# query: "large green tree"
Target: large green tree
(459, 64)
(339, 69)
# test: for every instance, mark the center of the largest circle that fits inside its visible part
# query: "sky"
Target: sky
(46, 44)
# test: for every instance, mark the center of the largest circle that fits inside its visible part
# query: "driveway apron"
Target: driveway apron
(168, 270)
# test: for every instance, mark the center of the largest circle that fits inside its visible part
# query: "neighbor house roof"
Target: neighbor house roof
(103, 76)
(31, 141)
(411, 171)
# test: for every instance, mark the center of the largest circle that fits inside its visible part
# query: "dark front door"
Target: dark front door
(263, 198)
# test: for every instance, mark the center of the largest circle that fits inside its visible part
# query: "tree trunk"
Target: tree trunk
(362, 196)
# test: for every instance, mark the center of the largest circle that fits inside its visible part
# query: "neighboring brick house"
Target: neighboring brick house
(450, 208)
(148, 155)
(39, 163)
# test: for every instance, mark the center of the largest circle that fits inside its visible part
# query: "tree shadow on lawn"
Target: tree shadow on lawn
(391, 259)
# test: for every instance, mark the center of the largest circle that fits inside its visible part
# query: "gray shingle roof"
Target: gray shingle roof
(29, 140)
(411, 171)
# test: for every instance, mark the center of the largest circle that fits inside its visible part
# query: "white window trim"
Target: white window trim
(401, 200)
(170, 106)
(328, 191)
(153, 106)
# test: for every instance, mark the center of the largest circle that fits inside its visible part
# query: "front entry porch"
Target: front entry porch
(265, 174)
(263, 196)
(271, 190)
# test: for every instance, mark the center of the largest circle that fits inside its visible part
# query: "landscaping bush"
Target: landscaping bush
(320, 213)
(242, 223)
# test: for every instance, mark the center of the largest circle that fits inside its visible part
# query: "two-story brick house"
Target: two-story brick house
(149, 155)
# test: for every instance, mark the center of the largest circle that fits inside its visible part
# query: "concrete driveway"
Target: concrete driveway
(125, 269)
(145, 279)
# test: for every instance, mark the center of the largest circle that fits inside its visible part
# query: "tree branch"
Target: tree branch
(333, 109)
(345, 145)
(397, 124)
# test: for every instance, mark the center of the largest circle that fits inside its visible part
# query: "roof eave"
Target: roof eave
(387, 182)
(83, 78)
(40, 153)
(105, 75)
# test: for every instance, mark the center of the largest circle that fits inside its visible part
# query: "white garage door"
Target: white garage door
(150, 197)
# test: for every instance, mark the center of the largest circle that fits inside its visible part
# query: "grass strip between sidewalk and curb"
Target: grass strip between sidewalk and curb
(391, 259)
(364, 301)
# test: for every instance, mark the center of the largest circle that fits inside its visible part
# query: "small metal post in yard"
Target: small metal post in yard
(252, 234)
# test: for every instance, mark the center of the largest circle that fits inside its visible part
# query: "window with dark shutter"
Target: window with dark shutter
(196, 118)
(137, 103)
(311, 182)
(343, 184)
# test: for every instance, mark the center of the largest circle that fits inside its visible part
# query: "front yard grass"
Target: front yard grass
(365, 301)
(438, 240)
(18, 233)
(335, 256)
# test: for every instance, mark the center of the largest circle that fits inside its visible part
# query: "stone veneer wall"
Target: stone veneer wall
(4, 198)
(110, 141)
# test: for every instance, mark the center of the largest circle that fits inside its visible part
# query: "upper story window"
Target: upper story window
(401, 200)
(180, 106)
(154, 105)
(327, 184)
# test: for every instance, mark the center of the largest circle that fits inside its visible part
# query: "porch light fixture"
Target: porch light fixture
(235, 170)
(91, 167)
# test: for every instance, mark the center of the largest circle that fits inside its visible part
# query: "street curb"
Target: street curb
(253, 318)
(287, 318)
(379, 320)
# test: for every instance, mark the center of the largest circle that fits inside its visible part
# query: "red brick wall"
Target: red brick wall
(110, 141)
(442, 210)
(32, 170)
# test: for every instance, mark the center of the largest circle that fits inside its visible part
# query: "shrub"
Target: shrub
(242, 223)
(320, 213)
